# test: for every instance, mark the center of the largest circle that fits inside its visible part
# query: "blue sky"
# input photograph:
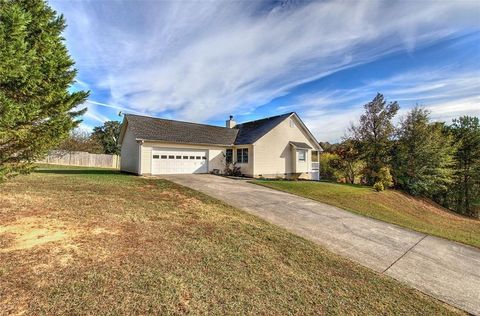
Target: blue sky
(204, 60)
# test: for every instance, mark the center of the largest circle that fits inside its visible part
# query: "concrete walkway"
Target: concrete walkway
(443, 269)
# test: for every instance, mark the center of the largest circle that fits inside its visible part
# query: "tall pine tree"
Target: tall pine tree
(373, 135)
(37, 111)
(423, 155)
(466, 187)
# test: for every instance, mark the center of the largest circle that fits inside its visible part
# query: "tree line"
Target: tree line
(102, 140)
(436, 160)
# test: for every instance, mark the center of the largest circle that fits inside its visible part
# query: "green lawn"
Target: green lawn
(390, 206)
(93, 241)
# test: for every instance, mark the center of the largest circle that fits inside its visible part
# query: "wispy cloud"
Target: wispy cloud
(121, 109)
(205, 59)
(447, 93)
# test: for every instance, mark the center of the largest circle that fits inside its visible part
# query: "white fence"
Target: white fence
(80, 158)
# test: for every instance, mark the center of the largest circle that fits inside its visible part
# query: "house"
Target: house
(278, 146)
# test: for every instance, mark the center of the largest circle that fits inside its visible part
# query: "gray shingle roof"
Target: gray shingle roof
(250, 132)
(301, 145)
(151, 128)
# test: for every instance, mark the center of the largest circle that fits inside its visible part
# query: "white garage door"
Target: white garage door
(177, 161)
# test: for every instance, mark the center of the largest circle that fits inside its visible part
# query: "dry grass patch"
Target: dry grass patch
(117, 244)
(33, 231)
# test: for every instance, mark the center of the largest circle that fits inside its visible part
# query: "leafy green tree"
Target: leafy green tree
(385, 177)
(327, 165)
(373, 135)
(37, 110)
(466, 186)
(422, 155)
(348, 165)
(108, 136)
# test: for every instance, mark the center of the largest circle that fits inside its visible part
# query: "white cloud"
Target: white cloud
(205, 59)
(94, 114)
(447, 93)
(121, 109)
(446, 111)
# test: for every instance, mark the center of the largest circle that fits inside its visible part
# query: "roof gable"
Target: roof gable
(250, 132)
(308, 133)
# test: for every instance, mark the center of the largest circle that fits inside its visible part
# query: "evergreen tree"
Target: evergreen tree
(373, 135)
(36, 109)
(466, 188)
(423, 155)
(108, 136)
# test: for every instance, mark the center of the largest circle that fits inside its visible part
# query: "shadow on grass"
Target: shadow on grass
(79, 171)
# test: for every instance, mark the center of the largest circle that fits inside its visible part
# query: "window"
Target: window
(192, 157)
(164, 157)
(229, 156)
(204, 158)
(292, 123)
(156, 156)
(198, 157)
(302, 155)
(178, 157)
(171, 157)
(242, 155)
(185, 157)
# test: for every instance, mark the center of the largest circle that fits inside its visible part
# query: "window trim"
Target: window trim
(241, 158)
(304, 152)
(229, 159)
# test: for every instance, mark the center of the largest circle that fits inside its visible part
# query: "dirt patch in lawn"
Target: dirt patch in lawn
(32, 232)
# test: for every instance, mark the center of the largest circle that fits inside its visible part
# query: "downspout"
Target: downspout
(140, 144)
(253, 161)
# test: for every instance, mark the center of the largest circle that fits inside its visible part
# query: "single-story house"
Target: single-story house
(273, 147)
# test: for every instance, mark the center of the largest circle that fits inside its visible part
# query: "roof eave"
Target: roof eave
(304, 146)
(315, 141)
(181, 143)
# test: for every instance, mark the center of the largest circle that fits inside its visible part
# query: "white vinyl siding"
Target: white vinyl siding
(273, 154)
(129, 153)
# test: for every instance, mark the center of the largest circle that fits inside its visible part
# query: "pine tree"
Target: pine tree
(423, 155)
(373, 135)
(466, 187)
(108, 136)
(37, 111)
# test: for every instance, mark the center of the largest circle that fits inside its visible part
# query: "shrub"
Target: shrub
(231, 169)
(327, 166)
(378, 186)
(385, 177)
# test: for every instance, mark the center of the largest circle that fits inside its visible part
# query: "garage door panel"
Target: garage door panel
(179, 161)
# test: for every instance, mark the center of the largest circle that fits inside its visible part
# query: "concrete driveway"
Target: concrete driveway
(446, 270)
